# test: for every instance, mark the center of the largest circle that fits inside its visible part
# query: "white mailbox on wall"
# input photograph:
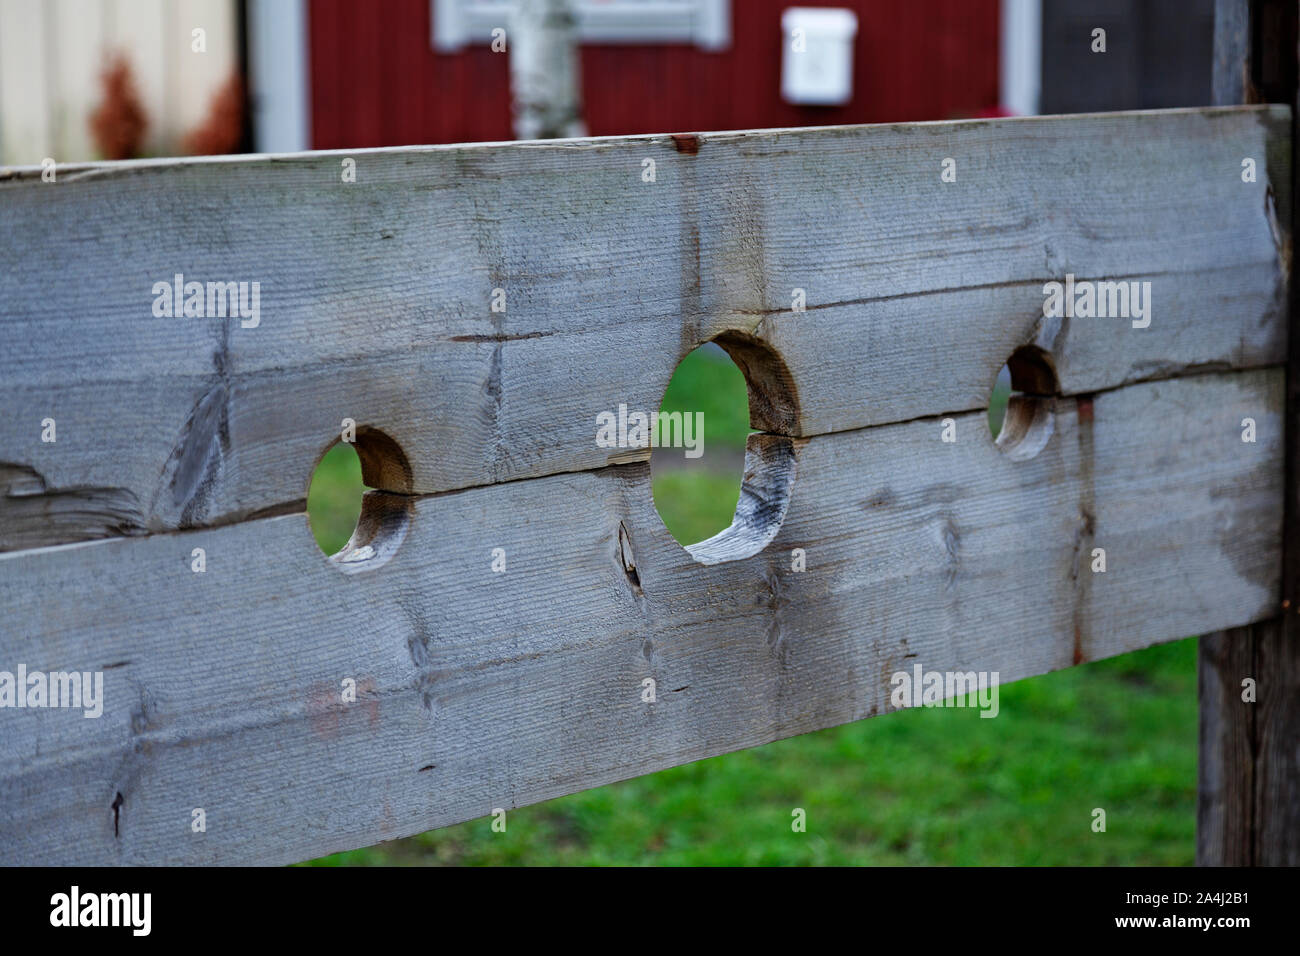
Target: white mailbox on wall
(817, 55)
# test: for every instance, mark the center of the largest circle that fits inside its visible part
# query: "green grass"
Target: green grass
(708, 381)
(695, 505)
(334, 498)
(922, 786)
(697, 498)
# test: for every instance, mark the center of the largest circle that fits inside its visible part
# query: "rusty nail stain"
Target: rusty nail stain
(687, 143)
(1084, 406)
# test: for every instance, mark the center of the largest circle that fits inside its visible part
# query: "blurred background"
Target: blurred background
(100, 79)
(116, 79)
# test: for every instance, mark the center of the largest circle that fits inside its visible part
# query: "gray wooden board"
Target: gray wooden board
(480, 690)
(375, 295)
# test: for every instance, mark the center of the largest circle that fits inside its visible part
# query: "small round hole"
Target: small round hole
(1022, 406)
(720, 487)
(359, 501)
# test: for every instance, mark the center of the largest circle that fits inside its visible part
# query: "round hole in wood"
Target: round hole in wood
(359, 502)
(1022, 406)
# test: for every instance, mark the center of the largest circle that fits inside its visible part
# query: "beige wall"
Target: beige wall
(52, 53)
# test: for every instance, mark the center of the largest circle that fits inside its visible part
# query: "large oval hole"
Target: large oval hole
(696, 480)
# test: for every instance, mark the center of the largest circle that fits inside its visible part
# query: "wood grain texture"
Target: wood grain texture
(1225, 795)
(1247, 810)
(479, 690)
(1277, 649)
(1276, 741)
(375, 295)
(1248, 806)
(1231, 83)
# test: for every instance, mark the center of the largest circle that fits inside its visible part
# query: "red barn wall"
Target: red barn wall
(376, 80)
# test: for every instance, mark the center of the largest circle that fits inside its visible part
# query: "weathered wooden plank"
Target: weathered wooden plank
(375, 296)
(479, 690)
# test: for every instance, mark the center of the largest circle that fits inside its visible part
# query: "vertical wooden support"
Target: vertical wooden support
(1248, 806)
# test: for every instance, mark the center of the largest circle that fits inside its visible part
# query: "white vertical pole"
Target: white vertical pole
(1021, 55)
(278, 65)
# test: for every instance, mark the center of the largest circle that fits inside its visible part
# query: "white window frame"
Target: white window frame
(703, 23)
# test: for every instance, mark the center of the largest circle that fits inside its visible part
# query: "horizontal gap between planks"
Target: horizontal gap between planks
(299, 506)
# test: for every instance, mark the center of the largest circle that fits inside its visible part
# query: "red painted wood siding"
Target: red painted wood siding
(376, 80)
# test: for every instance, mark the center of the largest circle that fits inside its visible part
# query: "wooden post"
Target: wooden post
(1248, 808)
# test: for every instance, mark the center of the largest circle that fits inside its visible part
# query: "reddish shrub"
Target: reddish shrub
(117, 125)
(223, 130)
